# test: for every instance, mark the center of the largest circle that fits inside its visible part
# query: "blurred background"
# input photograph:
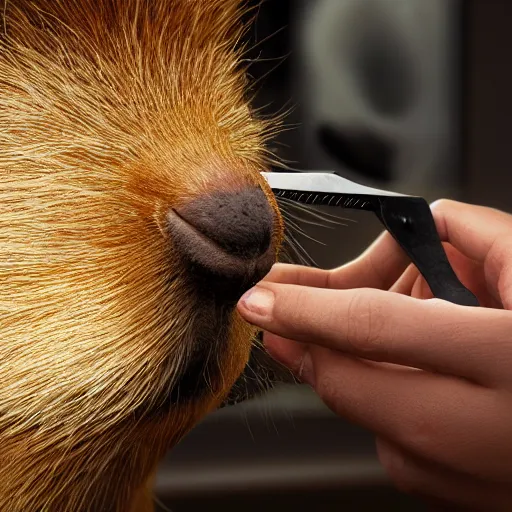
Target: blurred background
(409, 95)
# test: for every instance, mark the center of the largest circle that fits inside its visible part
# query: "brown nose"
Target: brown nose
(226, 239)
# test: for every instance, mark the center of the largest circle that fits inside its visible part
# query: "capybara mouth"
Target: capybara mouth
(206, 346)
(214, 269)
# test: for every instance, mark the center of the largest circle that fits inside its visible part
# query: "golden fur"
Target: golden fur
(111, 112)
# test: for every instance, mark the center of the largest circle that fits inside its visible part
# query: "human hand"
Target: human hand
(431, 379)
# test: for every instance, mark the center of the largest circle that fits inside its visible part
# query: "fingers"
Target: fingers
(434, 335)
(426, 414)
(413, 475)
(468, 271)
(407, 282)
(378, 267)
(483, 235)
(473, 230)
(300, 275)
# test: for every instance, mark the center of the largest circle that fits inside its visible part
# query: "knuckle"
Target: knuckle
(336, 395)
(400, 472)
(420, 434)
(328, 390)
(500, 251)
(498, 268)
(366, 323)
(293, 308)
(300, 303)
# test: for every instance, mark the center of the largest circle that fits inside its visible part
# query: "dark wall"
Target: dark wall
(488, 104)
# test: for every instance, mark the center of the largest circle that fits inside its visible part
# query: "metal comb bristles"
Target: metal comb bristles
(336, 200)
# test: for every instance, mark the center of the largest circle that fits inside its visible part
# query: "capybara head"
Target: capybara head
(132, 217)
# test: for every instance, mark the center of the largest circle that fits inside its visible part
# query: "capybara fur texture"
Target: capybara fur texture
(132, 217)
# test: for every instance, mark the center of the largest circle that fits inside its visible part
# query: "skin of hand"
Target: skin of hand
(431, 379)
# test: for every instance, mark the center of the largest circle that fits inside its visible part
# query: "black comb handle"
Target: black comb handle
(409, 220)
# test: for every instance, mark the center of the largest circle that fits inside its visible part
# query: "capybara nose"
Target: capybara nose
(238, 222)
(226, 239)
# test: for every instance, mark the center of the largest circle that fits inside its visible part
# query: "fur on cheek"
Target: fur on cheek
(111, 112)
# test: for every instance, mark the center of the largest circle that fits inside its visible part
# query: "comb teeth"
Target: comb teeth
(322, 199)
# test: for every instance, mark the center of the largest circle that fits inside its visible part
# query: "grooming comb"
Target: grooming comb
(407, 218)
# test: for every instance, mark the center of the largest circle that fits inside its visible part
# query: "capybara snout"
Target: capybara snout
(226, 239)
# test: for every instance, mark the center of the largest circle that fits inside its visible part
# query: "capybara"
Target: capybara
(133, 216)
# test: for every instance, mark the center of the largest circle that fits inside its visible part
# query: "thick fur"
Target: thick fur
(111, 112)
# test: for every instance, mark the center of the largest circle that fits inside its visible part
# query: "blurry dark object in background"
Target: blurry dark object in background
(364, 152)
(381, 59)
(392, 69)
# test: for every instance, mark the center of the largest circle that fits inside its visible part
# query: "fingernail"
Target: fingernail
(259, 301)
